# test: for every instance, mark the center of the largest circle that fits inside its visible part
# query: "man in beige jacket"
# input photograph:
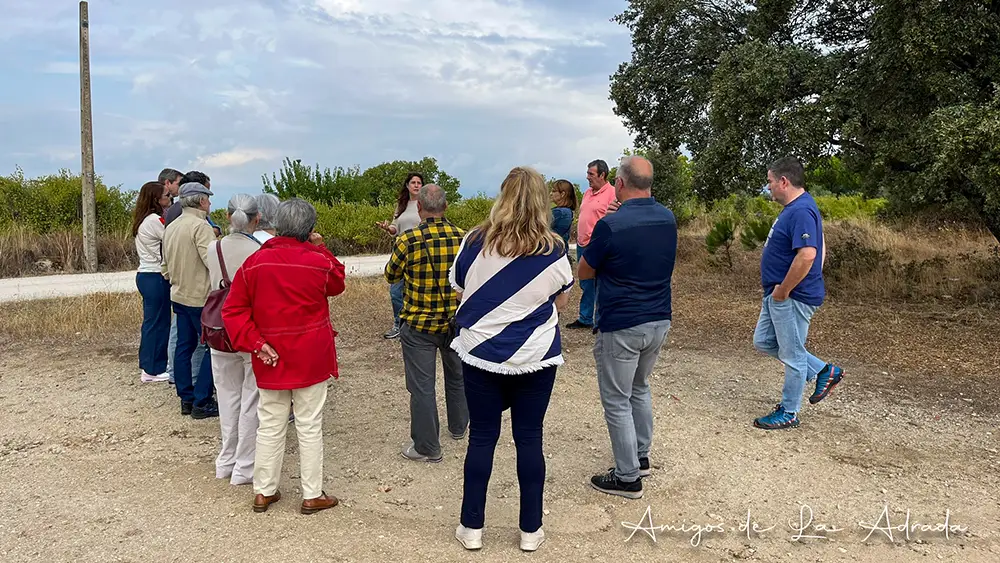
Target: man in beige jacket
(185, 265)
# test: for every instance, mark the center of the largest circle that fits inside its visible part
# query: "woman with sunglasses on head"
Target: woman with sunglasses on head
(148, 228)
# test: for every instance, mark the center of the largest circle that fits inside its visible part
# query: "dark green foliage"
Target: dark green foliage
(890, 98)
(378, 185)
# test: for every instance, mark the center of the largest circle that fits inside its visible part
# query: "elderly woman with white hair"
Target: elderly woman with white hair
(267, 206)
(278, 309)
(235, 384)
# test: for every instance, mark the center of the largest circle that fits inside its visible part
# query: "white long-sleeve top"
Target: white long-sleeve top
(149, 243)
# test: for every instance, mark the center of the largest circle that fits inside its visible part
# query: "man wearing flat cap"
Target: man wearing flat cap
(169, 214)
(185, 265)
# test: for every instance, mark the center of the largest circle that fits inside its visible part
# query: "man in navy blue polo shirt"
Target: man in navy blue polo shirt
(791, 271)
(631, 253)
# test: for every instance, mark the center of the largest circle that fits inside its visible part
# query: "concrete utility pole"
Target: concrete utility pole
(87, 147)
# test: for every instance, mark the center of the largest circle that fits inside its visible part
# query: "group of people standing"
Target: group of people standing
(487, 301)
(183, 261)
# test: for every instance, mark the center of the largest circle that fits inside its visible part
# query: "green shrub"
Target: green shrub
(687, 210)
(351, 226)
(835, 208)
(221, 218)
(468, 213)
(754, 232)
(722, 235)
(55, 203)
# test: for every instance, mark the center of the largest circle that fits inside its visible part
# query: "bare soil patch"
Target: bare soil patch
(96, 466)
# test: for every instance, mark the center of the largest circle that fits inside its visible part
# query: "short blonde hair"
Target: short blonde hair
(520, 221)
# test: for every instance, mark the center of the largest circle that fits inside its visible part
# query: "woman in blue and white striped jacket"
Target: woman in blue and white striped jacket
(513, 276)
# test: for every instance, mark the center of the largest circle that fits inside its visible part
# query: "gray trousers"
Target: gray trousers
(420, 363)
(625, 358)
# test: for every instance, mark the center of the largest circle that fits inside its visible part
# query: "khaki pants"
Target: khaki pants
(236, 389)
(273, 413)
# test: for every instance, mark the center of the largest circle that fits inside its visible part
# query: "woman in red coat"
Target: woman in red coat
(277, 309)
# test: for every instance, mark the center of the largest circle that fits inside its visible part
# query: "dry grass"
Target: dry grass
(116, 317)
(924, 347)
(869, 261)
(26, 253)
(96, 317)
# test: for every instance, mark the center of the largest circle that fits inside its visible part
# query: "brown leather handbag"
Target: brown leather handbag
(213, 330)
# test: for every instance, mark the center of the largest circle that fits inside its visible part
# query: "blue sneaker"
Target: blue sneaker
(777, 420)
(826, 380)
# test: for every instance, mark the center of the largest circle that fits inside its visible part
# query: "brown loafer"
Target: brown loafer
(261, 502)
(321, 502)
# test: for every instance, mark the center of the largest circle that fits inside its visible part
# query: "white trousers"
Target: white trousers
(236, 389)
(273, 412)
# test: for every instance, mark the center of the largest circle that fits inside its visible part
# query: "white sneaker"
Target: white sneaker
(471, 539)
(146, 378)
(530, 542)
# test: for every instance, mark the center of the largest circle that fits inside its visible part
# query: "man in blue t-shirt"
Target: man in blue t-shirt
(631, 253)
(791, 273)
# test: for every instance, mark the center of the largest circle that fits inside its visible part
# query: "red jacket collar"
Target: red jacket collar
(289, 242)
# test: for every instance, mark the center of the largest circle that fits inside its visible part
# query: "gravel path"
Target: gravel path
(96, 466)
(70, 285)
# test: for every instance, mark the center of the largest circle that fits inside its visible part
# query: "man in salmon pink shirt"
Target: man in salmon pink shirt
(598, 201)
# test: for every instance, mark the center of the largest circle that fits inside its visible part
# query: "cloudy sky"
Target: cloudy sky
(231, 87)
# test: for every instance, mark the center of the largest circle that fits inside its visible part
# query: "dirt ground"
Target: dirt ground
(95, 466)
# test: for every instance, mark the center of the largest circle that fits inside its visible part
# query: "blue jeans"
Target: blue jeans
(781, 333)
(625, 359)
(396, 294)
(196, 358)
(589, 296)
(188, 337)
(489, 394)
(155, 292)
(172, 346)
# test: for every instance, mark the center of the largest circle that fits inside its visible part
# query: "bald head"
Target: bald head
(432, 201)
(636, 173)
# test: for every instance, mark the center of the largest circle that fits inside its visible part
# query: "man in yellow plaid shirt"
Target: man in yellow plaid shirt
(421, 259)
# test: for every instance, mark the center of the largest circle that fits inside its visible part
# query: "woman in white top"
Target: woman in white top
(148, 228)
(404, 219)
(235, 383)
(267, 205)
(512, 276)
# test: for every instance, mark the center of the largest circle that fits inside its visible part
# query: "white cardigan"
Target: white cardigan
(149, 244)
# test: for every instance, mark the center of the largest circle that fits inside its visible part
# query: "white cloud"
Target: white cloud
(235, 157)
(249, 97)
(142, 81)
(303, 62)
(482, 85)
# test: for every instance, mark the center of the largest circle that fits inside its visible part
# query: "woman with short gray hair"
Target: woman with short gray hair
(235, 383)
(267, 206)
(278, 310)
